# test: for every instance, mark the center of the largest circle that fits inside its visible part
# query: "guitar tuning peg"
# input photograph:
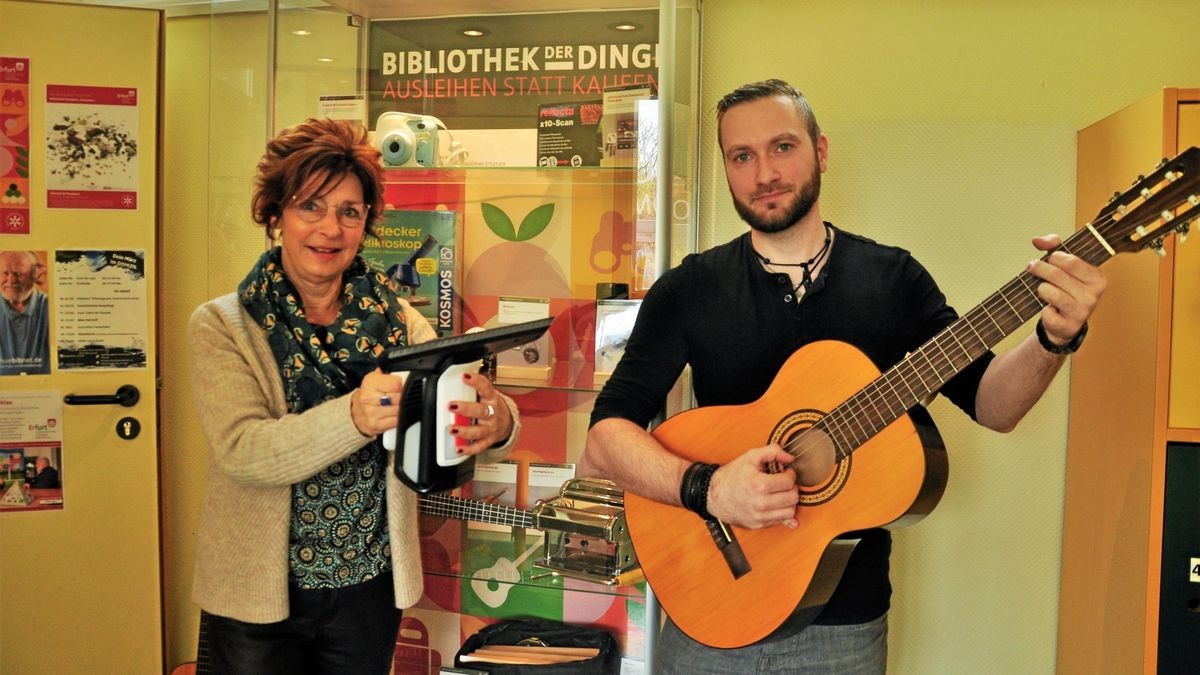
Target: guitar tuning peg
(1183, 229)
(1114, 197)
(1139, 179)
(1157, 245)
(1163, 163)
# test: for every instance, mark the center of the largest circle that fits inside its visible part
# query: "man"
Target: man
(46, 476)
(791, 280)
(24, 315)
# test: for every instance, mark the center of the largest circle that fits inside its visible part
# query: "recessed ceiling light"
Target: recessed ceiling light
(474, 32)
(302, 33)
(624, 26)
(324, 59)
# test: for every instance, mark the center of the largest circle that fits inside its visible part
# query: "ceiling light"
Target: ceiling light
(474, 32)
(624, 26)
(302, 33)
(324, 59)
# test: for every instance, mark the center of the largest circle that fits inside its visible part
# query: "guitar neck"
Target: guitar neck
(924, 371)
(447, 506)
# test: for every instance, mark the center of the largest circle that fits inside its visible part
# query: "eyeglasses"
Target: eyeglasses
(349, 214)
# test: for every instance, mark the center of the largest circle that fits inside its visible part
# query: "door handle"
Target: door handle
(127, 395)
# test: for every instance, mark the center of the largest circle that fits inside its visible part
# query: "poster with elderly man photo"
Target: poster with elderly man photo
(24, 314)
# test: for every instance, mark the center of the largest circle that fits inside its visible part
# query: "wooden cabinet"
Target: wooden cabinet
(1134, 388)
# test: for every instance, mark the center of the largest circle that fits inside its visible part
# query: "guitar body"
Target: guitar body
(895, 477)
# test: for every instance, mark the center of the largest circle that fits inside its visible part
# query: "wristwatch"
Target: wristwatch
(1069, 348)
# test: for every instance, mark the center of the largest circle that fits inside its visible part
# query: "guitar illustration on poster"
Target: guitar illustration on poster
(492, 584)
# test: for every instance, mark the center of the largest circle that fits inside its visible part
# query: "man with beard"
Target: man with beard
(735, 313)
(24, 315)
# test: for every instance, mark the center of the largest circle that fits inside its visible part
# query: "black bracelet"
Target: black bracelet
(693, 489)
(1069, 348)
(685, 484)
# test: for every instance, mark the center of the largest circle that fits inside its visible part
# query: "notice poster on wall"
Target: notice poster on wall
(31, 468)
(24, 313)
(91, 147)
(14, 145)
(102, 309)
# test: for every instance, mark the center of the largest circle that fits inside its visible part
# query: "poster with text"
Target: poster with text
(91, 147)
(14, 145)
(24, 314)
(31, 466)
(102, 309)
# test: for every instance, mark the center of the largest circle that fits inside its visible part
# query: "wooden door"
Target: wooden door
(80, 580)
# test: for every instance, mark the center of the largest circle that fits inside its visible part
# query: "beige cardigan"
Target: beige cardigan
(257, 451)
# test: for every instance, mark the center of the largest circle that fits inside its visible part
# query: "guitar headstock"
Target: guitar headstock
(1157, 206)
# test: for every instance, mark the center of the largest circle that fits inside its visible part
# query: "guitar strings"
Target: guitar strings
(1017, 296)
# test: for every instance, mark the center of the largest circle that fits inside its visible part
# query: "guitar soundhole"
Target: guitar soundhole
(816, 457)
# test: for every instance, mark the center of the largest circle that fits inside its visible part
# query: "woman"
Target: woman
(308, 542)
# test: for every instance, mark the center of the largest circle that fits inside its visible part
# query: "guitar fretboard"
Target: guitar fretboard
(447, 506)
(923, 372)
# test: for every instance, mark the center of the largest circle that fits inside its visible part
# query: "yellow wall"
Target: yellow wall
(952, 133)
(215, 130)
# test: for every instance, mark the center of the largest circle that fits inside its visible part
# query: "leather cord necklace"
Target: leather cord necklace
(807, 266)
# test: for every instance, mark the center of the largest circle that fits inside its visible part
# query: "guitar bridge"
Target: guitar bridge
(729, 547)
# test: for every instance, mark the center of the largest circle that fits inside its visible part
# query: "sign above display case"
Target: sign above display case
(493, 72)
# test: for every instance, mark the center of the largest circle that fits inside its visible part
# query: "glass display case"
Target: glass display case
(539, 163)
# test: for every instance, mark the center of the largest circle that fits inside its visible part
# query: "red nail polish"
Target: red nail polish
(453, 407)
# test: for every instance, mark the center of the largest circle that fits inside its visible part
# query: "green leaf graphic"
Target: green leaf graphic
(537, 220)
(498, 221)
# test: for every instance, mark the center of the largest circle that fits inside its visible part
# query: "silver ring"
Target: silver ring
(491, 411)
(385, 400)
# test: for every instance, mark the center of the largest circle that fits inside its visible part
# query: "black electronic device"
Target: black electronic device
(427, 459)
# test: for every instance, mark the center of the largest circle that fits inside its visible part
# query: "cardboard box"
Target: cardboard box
(420, 251)
(568, 134)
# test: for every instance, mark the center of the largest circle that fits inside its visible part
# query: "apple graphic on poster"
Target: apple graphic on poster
(515, 266)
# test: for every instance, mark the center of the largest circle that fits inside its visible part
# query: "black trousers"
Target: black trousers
(327, 632)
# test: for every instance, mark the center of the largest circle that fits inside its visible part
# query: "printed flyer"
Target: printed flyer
(91, 147)
(14, 145)
(102, 309)
(31, 467)
(24, 314)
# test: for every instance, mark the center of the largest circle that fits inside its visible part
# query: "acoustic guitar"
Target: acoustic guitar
(860, 462)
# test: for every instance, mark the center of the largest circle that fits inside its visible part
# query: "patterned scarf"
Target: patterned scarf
(371, 320)
(339, 530)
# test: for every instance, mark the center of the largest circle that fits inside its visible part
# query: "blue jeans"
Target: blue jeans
(859, 649)
(341, 630)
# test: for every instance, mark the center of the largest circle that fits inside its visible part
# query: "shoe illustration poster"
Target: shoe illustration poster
(14, 145)
(91, 147)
